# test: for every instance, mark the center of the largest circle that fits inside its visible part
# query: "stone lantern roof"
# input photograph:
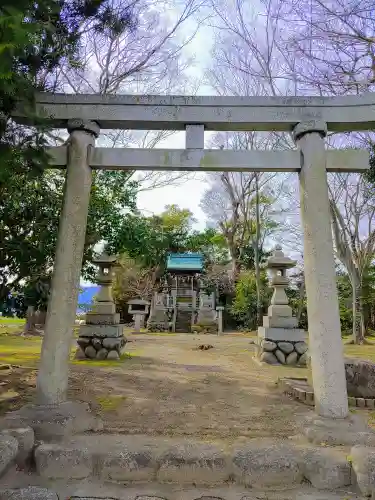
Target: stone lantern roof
(138, 302)
(279, 261)
(105, 259)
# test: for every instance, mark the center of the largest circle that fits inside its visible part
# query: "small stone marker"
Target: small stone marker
(139, 309)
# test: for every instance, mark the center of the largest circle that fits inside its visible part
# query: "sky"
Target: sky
(189, 193)
(186, 194)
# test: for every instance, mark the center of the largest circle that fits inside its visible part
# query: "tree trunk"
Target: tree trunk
(30, 325)
(256, 255)
(362, 313)
(235, 267)
(358, 337)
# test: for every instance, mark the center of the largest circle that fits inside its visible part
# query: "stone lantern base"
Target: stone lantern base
(100, 341)
(284, 346)
(285, 352)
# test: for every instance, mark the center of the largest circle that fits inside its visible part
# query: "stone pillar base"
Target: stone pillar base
(53, 422)
(100, 347)
(349, 431)
(284, 352)
(158, 321)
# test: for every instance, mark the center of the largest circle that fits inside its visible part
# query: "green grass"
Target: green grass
(25, 351)
(110, 403)
(101, 362)
(11, 321)
(160, 334)
(20, 350)
(360, 351)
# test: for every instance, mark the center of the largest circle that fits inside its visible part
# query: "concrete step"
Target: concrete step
(127, 459)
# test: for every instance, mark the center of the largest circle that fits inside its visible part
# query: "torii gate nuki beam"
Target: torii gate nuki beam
(308, 118)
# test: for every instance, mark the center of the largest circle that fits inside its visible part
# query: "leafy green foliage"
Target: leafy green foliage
(35, 39)
(244, 306)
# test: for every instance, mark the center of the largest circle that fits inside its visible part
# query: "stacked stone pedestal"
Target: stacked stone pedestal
(102, 336)
(280, 341)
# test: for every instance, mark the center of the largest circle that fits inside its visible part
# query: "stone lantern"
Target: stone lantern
(102, 335)
(279, 339)
(139, 309)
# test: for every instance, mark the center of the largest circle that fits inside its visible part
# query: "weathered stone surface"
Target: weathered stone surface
(302, 361)
(103, 308)
(339, 432)
(147, 497)
(8, 451)
(102, 319)
(25, 438)
(80, 354)
(280, 311)
(301, 347)
(53, 422)
(189, 463)
(285, 347)
(30, 493)
(292, 358)
(280, 356)
(90, 352)
(83, 342)
(102, 354)
(127, 464)
(268, 345)
(101, 330)
(325, 468)
(205, 497)
(269, 357)
(113, 355)
(360, 378)
(63, 462)
(363, 462)
(263, 465)
(113, 343)
(280, 322)
(291, 334)
(97, 343)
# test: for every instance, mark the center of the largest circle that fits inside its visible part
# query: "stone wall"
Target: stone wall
(282, 352)
(100, 347)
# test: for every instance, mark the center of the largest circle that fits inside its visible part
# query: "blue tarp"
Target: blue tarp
(185, 262)
(86, 296)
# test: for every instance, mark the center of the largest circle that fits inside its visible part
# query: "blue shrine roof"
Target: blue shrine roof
(185, 262)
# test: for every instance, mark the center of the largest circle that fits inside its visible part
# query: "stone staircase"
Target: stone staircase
(140, 467)
(183, 320)
(184, 308)
(136, 467)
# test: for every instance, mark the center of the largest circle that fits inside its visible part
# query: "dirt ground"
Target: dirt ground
(169, 387)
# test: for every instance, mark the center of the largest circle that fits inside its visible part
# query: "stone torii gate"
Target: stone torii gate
(307, 118)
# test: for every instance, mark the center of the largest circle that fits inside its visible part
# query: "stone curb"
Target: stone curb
(307, 397)
(259, 464)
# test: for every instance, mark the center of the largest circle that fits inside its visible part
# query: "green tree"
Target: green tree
(35, 38)
(29, 218)
(244, 306)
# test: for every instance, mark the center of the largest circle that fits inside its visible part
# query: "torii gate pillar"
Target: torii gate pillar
(52, 381)
(327, 359)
